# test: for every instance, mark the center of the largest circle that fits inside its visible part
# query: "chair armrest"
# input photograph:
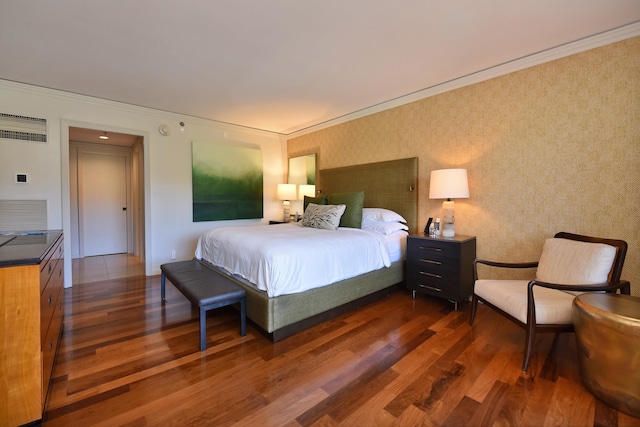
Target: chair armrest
(507, 264)
(623, 285)
(609, 287)
(501, 265)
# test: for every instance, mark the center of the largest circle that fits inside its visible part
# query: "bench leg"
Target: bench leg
(203, 329)
(162, 286)
(243, 318)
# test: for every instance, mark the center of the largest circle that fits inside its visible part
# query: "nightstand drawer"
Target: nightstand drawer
(439, 278)
(432, 249)
(446, 283)
(442, 266)
(446, 293)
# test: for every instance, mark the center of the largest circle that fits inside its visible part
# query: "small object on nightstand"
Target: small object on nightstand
(276, 222)
(440, 266)
(428, 226)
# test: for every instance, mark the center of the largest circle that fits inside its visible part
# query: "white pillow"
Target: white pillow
(381, 214)
(383, 227)
(571, 262)
(325, 217)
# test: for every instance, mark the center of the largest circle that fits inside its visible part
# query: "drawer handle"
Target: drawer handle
(49, 300)
(431, 248)
(426, 273)
(49, 268)
(50, 345)
(431, 261)
(431, 288)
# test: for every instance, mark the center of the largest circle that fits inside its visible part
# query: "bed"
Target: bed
(391, 185)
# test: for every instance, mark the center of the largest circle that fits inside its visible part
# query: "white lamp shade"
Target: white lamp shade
(306, 190)
(449, 184)
(286, 192)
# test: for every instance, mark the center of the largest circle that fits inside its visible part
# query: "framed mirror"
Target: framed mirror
(302, 170)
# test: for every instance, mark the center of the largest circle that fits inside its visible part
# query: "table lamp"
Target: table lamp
(448, 184)
(286, 192)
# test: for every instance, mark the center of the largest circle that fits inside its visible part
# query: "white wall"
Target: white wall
(167, 164)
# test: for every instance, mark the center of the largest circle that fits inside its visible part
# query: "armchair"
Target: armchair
(569, 265)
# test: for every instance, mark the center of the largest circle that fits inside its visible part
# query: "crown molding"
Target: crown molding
(568, 49)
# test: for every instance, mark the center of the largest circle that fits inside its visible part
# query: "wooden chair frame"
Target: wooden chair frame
(611, 286)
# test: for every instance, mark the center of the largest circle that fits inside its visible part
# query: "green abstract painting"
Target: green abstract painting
(227, 182)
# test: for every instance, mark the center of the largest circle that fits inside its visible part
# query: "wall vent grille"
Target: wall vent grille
(23, 215)
(23, 128)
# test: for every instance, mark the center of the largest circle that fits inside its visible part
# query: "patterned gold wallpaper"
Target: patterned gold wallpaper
(555, 147)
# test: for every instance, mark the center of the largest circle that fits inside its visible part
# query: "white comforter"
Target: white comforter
(288, 258)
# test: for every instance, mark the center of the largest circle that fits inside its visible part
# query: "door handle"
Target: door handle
(124, 209)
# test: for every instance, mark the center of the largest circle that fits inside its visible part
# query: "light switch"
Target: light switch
(22, 178)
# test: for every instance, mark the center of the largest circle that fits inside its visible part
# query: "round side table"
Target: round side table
(608, 340)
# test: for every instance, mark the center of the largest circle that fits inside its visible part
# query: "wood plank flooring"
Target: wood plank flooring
(128, 360)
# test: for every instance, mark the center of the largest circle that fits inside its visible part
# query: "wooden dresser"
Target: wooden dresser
(31, 312)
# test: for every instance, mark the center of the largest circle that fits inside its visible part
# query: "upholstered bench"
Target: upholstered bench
(205, 288)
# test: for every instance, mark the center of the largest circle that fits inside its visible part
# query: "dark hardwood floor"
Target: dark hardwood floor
(128, 360)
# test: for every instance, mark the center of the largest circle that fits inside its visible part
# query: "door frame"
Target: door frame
(140, 202)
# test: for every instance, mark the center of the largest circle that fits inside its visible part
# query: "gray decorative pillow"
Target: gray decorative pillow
(326, 217)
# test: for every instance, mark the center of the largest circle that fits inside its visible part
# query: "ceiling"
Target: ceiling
(280, 65)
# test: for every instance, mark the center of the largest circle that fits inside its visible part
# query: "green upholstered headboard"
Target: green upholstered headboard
(392, 185)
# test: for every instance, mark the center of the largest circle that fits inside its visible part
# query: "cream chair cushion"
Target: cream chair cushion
(568, 262)
(552, 306)
(563, 261)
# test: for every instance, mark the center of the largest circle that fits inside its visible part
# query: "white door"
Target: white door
(103, 203)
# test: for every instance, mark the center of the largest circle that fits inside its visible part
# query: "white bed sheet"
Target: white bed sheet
(396, 244)
(288, 258)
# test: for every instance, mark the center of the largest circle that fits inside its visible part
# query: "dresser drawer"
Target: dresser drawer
(46, 271)
(49, 262)
(50, 344)
(49, 298)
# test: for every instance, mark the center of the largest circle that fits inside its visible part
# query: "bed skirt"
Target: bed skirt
(286, 315)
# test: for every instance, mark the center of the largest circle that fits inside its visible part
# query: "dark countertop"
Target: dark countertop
(25, 248)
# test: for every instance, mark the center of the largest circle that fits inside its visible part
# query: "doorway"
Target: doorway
(102, 203)
(106, 187)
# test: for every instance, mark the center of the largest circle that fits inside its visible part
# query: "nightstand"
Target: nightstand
(441, 266)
